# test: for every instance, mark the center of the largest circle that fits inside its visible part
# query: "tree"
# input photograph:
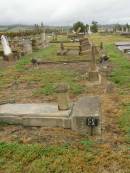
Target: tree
(127, 26)
(118, 27)
(87, 27)
(78, 25)
(94, 27)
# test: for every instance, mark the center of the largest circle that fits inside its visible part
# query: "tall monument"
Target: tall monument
(5, 45)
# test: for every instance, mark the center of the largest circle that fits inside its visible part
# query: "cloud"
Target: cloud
(64, 12)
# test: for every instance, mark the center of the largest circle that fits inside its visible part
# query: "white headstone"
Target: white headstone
(43, 37)
(89, 30)
(5, 45)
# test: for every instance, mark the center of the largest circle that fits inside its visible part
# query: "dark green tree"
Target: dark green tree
(87, 27)
(127, 26)
(94, 27)
(78, 25)
(118, 27)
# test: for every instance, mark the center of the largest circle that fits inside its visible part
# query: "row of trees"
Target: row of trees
(120, 27)
(85, 27)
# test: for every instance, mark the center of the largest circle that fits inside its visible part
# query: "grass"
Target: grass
(48, 54)
(19, 158)
(124, 121)
(35, 158)
(48, 81)
(45, 79)
(86, 156)
(121, 77)
(121, 70)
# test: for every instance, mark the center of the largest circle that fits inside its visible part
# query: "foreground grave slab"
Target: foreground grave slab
(84, 116)
(46, 115)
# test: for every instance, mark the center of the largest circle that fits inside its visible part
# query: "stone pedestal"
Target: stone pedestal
(87, 110)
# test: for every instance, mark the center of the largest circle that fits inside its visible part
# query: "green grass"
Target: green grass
(47, 54)
(121, 77)
(121, 67)
(20, 158)
(85, 158)
(48, 81)
(124, 121)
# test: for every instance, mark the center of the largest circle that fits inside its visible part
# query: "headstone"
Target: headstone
(54, 36)
(44, 40)
(89, 30)
(93, 74)
(27, 46)
(86, 116)
(36, 45)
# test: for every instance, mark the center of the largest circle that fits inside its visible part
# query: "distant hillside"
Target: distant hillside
(15, 28)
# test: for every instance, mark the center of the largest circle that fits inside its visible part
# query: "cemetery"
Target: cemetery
(64, 100)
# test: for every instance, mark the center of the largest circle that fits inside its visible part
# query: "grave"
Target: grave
(36, 45)
(123, 46)
(84, 47)
(83, 116)
(44, 40)
(75, 36)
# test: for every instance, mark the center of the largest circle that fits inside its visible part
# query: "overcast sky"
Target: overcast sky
(64, 12)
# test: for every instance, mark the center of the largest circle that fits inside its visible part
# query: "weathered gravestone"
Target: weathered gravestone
(86, 115)
(93, 74)
(27, 47)
(37, 43)
(44, 40)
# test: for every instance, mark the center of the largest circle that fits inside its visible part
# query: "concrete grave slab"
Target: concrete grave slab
(45, 114)
(81, 115)
(123, 46)
(122, 43)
